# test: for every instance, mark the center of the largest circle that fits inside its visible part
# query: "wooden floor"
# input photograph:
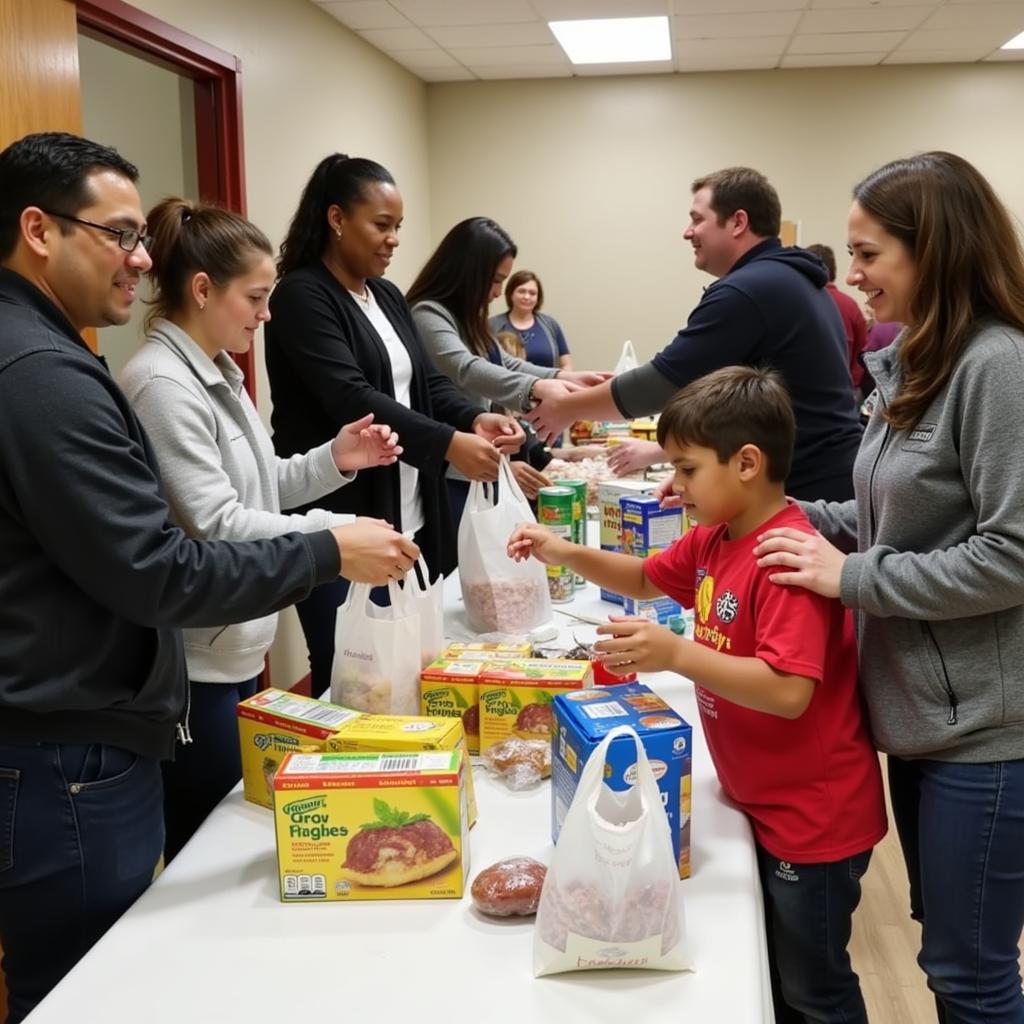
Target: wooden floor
(886, 942)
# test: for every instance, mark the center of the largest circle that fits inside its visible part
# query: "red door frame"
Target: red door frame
(218, 100)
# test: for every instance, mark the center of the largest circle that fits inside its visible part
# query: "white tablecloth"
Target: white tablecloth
(211, 942)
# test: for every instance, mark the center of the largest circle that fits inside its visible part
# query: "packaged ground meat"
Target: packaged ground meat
(509, 888)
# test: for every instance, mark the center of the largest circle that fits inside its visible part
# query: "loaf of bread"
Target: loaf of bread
(509, 888)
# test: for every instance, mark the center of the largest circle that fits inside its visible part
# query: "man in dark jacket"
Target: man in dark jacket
(768, 308)
(95, 581)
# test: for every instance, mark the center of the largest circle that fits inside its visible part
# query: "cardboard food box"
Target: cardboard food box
(372, 826)
(482, 651)
(274, 723)
(648, 529)
(516, 696)
(609, 513)
(382, 734)
(448, 689)
(584, 718)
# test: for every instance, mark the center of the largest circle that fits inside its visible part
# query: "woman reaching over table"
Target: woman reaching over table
(212, 273)
(541, 334)
(342, 344)
(930, 555)
(449, 301)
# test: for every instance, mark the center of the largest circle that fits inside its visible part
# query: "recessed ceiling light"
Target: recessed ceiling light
(614, 40)
(1016, 43)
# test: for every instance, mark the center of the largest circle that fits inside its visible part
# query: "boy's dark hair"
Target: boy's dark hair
(729, 408)
(743, 188)
(826, 255)
(49, 170)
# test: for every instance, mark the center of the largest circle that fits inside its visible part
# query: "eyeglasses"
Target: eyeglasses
(128, 239)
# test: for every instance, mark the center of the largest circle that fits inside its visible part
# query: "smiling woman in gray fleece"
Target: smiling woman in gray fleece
(212, 273)
(930, 555)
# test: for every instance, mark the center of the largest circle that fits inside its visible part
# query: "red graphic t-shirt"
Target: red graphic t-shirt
(811, 786)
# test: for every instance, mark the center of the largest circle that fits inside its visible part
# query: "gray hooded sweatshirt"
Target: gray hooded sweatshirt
(936, 570)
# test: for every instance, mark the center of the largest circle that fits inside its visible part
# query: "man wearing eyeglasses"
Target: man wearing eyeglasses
(95, 582)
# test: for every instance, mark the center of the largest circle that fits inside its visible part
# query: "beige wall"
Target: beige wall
(591, 176)
(311, 87)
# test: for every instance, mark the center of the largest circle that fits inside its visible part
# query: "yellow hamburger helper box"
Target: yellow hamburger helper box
(516, 696)
(448, 689)
(274, 723)
(384, 734)
(372, 826)
(481, 651)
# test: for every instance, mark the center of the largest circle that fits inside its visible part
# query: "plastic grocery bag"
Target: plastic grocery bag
(500, 595)
(628, 359)
(377, 653)
(611, 897)
(428, 599)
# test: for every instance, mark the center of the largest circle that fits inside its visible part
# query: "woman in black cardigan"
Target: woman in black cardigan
(341, 343)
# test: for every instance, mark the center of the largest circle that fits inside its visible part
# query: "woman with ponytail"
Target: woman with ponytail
(212, 273)
(930, 555)
(343, 343)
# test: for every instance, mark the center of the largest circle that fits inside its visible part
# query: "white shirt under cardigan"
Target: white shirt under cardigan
(401, 375)
(221, 476)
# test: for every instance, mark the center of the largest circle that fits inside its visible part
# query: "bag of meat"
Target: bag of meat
(611, 897)
(500, 596)
(377, 653)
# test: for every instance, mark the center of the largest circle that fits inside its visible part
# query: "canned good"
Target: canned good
(579, 516)
(554, 510)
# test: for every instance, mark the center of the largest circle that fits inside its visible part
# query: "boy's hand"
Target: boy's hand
(667, 497)
(539, 541)
(638, 645)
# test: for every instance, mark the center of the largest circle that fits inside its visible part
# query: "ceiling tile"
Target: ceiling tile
(831, 60)
(522, 71)
(1008, 17)
(428, 13)
(685, 7)
(929, 57)
(367, 14)
(389, 39)
(722, 48)
(955, 39)
(1006, 55)
(845, 42)
(860, 19)
(496, 56)
(873, 4)
(468, 36)
(725, 63)
(424, 60)
(555, 10)
(456, 74)
(719, 26)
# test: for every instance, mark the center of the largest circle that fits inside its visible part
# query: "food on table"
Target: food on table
(509, 888)
(520, 763)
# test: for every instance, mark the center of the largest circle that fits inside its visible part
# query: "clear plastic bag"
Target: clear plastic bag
(612, 896)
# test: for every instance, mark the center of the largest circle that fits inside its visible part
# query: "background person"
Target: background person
(930, 556)
(342, 344)
(95, 579)
(768, 308)
(853, 319)
(212, 274)
(543, 340)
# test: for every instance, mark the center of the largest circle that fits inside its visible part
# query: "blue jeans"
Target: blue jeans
(81, 830)
(808, 910)
(204, 771)
(961, 827)
(317, 615)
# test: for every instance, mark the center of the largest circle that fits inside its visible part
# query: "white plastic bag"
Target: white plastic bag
(628, 359)
(377, 653)
(428, 600)
(611, 897)
(500, 595)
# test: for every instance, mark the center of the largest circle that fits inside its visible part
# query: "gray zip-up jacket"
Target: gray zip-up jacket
(223, 480)
(936, 573)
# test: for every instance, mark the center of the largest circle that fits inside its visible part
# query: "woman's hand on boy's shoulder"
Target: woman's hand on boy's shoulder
(637, 645)
(808, 559)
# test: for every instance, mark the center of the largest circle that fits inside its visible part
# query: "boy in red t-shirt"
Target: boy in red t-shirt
(775, 675)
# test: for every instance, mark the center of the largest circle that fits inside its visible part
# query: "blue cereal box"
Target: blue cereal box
(610, 517)
(646, 530)
(583, 718)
